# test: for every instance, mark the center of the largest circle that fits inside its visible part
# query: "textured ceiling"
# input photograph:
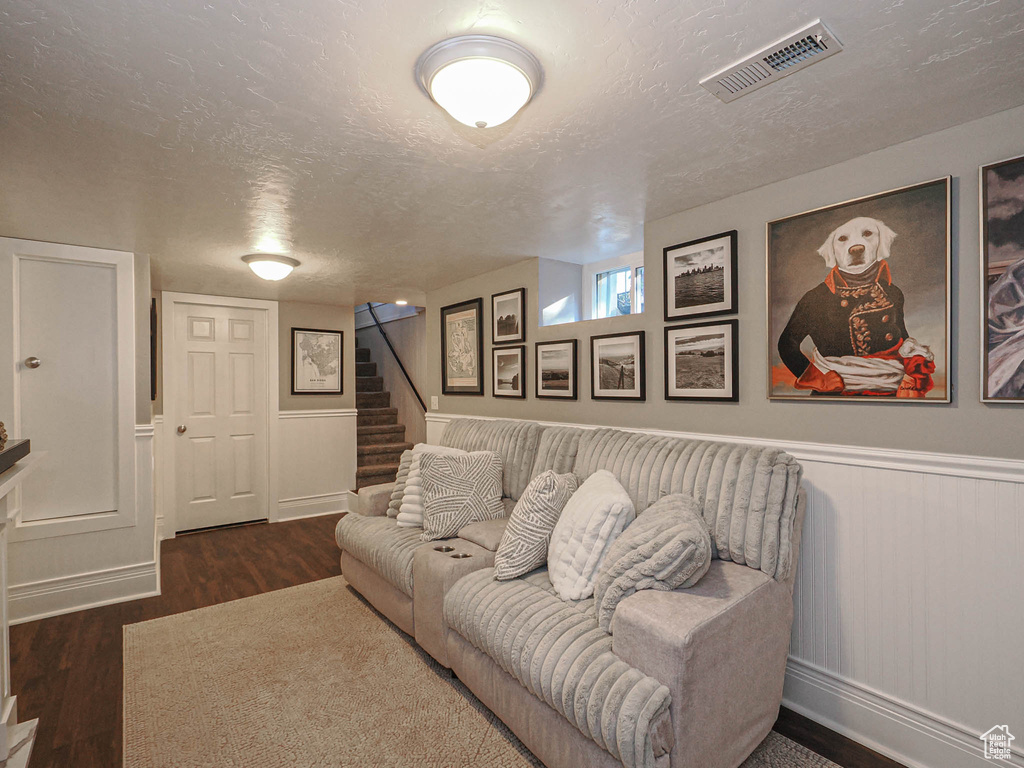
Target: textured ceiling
(196, 132)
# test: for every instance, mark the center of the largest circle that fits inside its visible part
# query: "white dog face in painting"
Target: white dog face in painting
(857, 244)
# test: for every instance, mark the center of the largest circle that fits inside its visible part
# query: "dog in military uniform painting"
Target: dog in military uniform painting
(855, 332)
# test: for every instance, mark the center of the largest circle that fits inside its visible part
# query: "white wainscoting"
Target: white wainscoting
(909, 628)
(62, 593)
(317, 462)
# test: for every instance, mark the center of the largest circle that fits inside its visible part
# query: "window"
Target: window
(614, 287)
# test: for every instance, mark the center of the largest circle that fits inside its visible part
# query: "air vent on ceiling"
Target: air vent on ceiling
(812, 43)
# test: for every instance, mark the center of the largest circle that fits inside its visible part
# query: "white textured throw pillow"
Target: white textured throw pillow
(410, 512)
(524, 545)
(590, 523)
(459, 490)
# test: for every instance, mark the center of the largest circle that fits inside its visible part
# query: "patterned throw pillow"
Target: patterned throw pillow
(594, 517)
(410, 507)
(667, 547)
(458, 490)
(524, 545)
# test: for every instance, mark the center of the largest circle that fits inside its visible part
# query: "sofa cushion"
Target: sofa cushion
(404, 464)
(514, 441)
(410, 513)
(668, 547)
(594, 516)
(485, 533)
(557, 450)
(747, 493)
(382, 545)
(458, 490)
(556, 651)
(524, 545)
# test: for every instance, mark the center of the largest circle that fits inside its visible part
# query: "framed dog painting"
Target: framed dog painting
(858, 299)
(1002, 281)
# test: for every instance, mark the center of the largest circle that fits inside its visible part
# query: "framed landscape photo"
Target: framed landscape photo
(702, 361)
(618, 366)
(556, 369)
(858, 299)
(700, 277)
(508, 317)
(1002, 281)
(462, 348)
(509, 379)
(316, 361)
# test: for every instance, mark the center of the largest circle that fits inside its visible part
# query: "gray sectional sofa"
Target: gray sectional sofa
(690, 678)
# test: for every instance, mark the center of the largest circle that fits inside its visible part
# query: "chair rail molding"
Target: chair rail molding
(903, 638)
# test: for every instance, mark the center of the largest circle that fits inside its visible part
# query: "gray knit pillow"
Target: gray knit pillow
(458, 490)
(403, 474)
(524, 545)
(666, 547)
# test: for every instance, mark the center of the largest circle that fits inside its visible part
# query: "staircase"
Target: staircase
(380, 438)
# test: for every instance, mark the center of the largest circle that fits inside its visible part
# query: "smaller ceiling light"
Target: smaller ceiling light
(480, 80)
(401, 302)
(270, 266)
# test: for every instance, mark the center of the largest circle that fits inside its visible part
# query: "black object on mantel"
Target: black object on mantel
(15, 451)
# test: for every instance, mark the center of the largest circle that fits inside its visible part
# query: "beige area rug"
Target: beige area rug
(311, 677)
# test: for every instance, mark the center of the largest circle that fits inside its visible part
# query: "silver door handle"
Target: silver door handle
(33, 362)
(181, 429)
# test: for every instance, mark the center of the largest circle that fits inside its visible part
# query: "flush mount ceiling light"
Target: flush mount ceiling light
(270, 266)
(480, 80)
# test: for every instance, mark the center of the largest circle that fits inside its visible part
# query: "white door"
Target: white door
(219, 414)
(72, 349)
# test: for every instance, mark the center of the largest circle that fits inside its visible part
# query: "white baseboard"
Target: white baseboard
(52, 597)
(313, 506)
(913, 737)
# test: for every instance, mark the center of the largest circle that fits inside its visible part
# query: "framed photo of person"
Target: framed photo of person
(509, 379)
(858, 299)
(462, 348)
(700, 277)
(702, 361)
(556, 369)
(618, 366)
(1002, 281)
(316, 361)
(508, 317)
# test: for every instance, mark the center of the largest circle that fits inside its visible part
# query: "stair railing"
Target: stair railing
(394, 354)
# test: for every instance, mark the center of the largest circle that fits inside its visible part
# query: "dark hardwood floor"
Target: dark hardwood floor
(67, 670)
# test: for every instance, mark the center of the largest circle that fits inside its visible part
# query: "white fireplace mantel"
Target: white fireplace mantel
(16, 738)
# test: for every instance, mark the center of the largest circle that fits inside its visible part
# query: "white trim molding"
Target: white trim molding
(906, 634)
(333, 413)
(318, 462)
(52, 597)
(313, 506)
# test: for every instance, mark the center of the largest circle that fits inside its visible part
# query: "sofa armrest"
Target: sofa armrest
(721, 648)
(373, 499)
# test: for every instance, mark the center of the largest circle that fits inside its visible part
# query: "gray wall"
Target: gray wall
(294, 314)
(408, 336)
(965, 426)
(559, 292)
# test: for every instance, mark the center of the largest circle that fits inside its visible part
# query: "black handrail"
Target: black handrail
(394, 354)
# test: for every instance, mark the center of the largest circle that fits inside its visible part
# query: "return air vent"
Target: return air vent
(812, 43)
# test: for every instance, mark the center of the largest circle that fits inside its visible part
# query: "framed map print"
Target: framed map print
(316, 361)
(462, 348)
(1002, 282)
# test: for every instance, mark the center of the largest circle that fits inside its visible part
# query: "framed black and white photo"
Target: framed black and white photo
(508, 316)
(316, 361)
(617, 366)
(1002, 282)
(702, 361)
(509, 379)
(462, 348)
(556, 369)
(700, 277)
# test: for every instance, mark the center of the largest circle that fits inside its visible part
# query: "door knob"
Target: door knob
(33, 362)
(181, 429)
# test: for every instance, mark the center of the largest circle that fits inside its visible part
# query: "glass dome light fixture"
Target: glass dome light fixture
(270, 266)
(480, 80)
